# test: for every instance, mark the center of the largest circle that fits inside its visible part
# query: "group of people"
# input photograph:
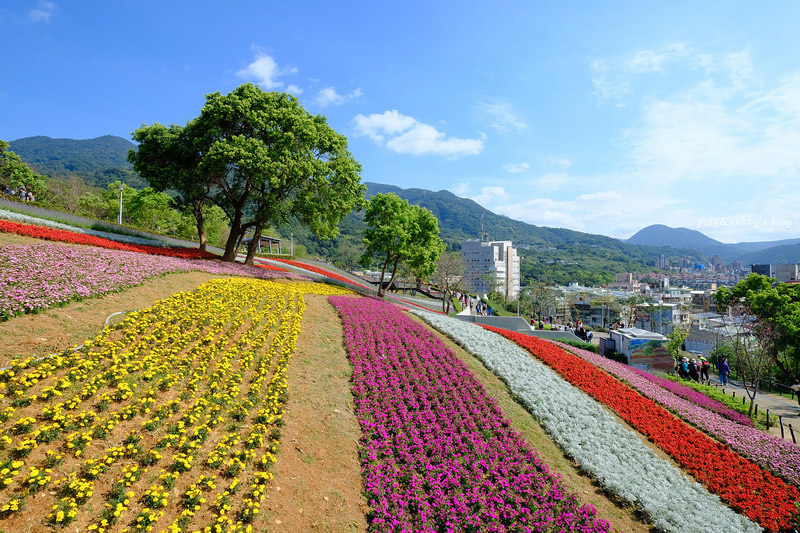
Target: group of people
(694, 369)
(476, 305)
(23, 193)
(697, 369)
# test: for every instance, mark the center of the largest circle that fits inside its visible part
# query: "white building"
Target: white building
(491, 265)
(787, 273)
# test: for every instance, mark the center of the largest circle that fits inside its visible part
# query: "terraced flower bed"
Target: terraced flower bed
(741, 484)
(436, 452)
(169, 421)
(40, 276)
(615, 456)
(777, 455)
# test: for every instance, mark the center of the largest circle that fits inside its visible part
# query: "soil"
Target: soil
(317, 483)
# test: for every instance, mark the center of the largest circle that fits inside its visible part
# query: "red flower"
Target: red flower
(744, 486)
(51, 234)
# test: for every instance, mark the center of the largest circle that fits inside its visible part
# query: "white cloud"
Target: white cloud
(406, 135)
(500, 116)
(489, 195)
(329, 96)
(517, 167)
(294, 89)
(715, 135)
(653, 60)
(739, 67)
(607, 86)
(388, 123)
(265, 71)
(460, 189)
(43, 12)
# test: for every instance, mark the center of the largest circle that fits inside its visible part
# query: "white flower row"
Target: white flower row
(613, 454)
(27, 219)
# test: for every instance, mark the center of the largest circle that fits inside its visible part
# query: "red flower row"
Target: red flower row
(742, 485)
(51, 234)
(320, 271)
(270, 267)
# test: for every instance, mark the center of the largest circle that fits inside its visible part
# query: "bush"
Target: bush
(580, 344)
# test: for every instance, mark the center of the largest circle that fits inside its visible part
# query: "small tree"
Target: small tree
(449, 276)
(676, 338)
(400, 232)
(754, 343)
(15, 173)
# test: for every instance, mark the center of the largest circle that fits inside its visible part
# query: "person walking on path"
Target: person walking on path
(704, 366)
(724, 370)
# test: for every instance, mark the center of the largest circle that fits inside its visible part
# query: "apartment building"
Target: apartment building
(491, 266)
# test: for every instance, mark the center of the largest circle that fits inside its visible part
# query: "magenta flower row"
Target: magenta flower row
(777, 455)
(40, 276)
(437, 453)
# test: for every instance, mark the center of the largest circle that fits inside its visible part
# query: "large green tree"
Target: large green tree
(261, 158)
(15, 173)
(399, 232)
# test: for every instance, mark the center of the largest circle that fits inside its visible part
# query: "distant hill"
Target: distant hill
(97, 162)
(772, 252)
(548, 254)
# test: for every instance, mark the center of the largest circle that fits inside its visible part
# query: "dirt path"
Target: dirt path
(317, 484)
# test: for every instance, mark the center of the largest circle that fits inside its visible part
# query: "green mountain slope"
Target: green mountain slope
(554, 255)
(97, 162)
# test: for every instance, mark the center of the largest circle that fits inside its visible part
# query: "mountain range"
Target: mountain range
(773, 252)
(577, 256)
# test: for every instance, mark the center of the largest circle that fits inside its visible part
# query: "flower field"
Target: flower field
(59, 235)
(741, 484)
(612, 454)
(436, 452)
(167, 422)
(775, 454)
(40, 276)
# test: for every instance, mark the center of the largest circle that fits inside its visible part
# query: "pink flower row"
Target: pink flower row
(437, 453)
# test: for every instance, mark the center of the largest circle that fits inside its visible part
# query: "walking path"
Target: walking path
(785, 407)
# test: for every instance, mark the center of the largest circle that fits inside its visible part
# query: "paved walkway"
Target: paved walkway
(784, 406)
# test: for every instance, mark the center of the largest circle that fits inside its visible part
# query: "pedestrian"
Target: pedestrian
(724, 370)
(704, 366)
(684, 370)
(589, 336)
(694, 374)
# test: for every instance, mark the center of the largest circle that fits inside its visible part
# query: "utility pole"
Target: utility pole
(121, 188)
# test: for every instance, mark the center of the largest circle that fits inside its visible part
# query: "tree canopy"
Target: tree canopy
(15, 173)
(776, 309)
(400, 232)
(261, 158)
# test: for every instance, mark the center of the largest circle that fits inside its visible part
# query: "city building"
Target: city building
(787, 273)
(764, 270)
(662, 263)
(491, 266)
(625, 282)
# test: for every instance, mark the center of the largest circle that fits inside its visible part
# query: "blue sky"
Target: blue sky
(602, 117)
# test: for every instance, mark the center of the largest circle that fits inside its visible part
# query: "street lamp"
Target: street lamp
(121, 187)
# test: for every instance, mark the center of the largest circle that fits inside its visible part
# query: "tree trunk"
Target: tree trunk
(383, 273)
(251, 250)
(394, 270)
(201, 231)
